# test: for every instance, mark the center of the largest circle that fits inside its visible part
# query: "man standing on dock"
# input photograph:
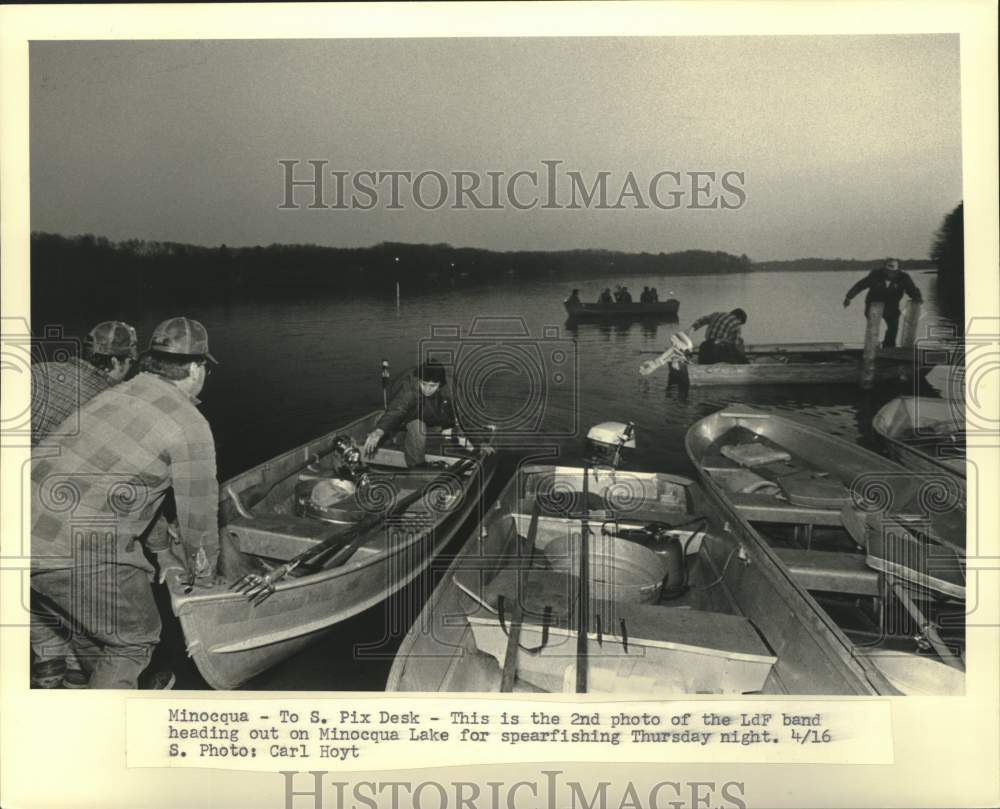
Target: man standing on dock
(723, 339)
(886, 285)
(94, 502)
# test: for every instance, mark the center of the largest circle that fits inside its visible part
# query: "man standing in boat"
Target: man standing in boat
(886, 285)
(723, 339)
(419, 402)
(95, 503)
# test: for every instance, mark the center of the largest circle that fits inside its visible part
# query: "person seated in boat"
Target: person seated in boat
(136, 441)
(723, 339)
(654, 296)
(886, 285)
(605, 297)
(574, 297)
(644, 295)
(419, 403)
(622, 295)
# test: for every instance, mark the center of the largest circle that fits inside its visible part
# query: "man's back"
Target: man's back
(58, 390)
(135, 441)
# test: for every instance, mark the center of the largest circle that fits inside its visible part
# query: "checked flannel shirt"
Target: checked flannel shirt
(58, 390)
(723, 327)
(105, 487)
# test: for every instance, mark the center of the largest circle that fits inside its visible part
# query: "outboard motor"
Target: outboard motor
(660, 538)
(681, 349)
(327, 490)
(605, 442)
(348, 463)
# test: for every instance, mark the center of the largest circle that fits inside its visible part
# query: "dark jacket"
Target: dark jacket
(882, 290)
(407, 403)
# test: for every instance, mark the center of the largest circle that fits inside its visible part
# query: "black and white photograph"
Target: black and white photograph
(629, 367)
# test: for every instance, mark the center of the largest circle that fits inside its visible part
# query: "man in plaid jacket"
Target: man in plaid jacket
(94, 502)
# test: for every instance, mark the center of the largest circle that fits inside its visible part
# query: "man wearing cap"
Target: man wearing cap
(98, 498)
(886, 285)
(59, 389)
(723, 337)
(418, 401)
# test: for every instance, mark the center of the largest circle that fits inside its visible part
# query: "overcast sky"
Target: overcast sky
(848, 146)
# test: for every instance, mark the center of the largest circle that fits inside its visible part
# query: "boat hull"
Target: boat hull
(661, 309)
(231, 640)
(930, 555)
(440, 653)
(914, 416)
(815, 373)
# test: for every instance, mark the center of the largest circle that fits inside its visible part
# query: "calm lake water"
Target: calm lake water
(297, 367)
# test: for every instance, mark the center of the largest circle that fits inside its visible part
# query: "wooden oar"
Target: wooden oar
(257, 588)
(584, 591)
(514, 637)
(510, 656)
(900, 590)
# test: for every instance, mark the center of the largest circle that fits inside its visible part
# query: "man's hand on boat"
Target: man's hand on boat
(233, 564)
(484, 450)
(371, 442)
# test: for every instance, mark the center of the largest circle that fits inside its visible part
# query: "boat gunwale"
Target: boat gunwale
(850, 655)
(185, 602)
(854, 674)
(882, 424)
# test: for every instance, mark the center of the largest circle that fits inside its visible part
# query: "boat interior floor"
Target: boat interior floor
(274, 532)
(696, 613)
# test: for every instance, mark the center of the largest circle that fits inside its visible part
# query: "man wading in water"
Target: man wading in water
(886, 285)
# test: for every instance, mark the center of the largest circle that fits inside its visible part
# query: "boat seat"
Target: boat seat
(598, 511)
(764, 508)
(831, 571)
(681, 650)
(277, 536)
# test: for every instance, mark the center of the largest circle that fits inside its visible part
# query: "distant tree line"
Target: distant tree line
(827, 264)
(92, 272)
(948, 254)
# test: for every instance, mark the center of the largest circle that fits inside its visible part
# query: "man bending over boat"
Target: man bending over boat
(95, 503)
(419, 402)
(58, 390)
(886, 285)
(723, 339)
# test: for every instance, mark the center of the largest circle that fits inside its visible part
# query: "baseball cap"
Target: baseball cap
(182, 336)
(113, 338)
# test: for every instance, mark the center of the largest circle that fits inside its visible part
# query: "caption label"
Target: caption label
(362, 734)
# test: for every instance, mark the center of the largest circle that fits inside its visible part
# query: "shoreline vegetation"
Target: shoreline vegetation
(89, 269)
